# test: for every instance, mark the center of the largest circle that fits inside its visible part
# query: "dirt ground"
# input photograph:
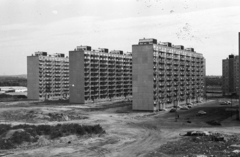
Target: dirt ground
(128, 133)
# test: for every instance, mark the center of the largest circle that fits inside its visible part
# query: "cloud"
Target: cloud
(211, 32)
(55, 12)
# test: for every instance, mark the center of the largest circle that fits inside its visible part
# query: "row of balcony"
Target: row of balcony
(108, 59)
(107, 71)
(105, 67)
(107, 75)
(178, 63)
(105, 81)
(126, 81)
(170, 99)
(182, 88)
(172, 52)
(174, 67)
(172, 57)
(175, 74)
(107, 56)
(54, 62)
(162, 96)
(117, 83)
(50, 66)
(92, 77)
(52, 73)
(108, 62)
(44, 84)
(107, 93)
(177, 79)
(179, 84)
(53, 83)
(53, 89)
(177, 69)
(53, 77)
(199, 92)
(107, 88)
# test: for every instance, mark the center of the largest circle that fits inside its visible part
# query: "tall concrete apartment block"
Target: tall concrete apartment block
(47, 76)
(166, 75)
(230, 75)
(99, 75)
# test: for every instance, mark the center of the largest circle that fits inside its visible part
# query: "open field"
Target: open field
(128, 133)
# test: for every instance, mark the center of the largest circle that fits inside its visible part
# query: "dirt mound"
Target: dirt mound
(210, 144)
(40, 115)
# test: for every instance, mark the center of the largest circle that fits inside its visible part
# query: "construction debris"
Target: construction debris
(208, 143)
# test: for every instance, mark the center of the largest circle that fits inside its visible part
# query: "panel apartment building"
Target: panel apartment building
(99, 75)
(230, 75)
(165, 75)
(47, 76)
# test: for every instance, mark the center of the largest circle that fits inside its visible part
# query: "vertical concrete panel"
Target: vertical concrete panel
(76, 76)
(142, 77)
(33, 77)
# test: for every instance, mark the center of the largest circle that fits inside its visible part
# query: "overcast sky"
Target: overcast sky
(57, 26)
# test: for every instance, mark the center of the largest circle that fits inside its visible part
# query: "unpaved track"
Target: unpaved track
(126, 136)
(132, 134)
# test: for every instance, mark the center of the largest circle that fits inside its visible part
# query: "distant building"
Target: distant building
(99, 75)
(230, 72)
(47, 76)
(165, 75)
(212, 80)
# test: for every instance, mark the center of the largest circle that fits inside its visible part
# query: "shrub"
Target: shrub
(55, 134)
(23, 126)
(4, 128)
(6, 144)
(31, 132)
(19, 137)
(43, 129)
(80, 130)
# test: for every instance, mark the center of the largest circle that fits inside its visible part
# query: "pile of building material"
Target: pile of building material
(203, 142)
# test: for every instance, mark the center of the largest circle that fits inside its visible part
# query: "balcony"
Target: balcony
(168, 62)
(175, 74)
(169, 56)
(169, 84)
(182, 59)
(162, 61)
(161, 73)
(169, 73)
(94, 63)
(175, 63)
(161, 79)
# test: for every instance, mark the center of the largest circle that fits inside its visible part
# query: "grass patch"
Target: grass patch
(12, 136)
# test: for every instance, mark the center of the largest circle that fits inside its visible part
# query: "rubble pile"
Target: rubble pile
(204, 143)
